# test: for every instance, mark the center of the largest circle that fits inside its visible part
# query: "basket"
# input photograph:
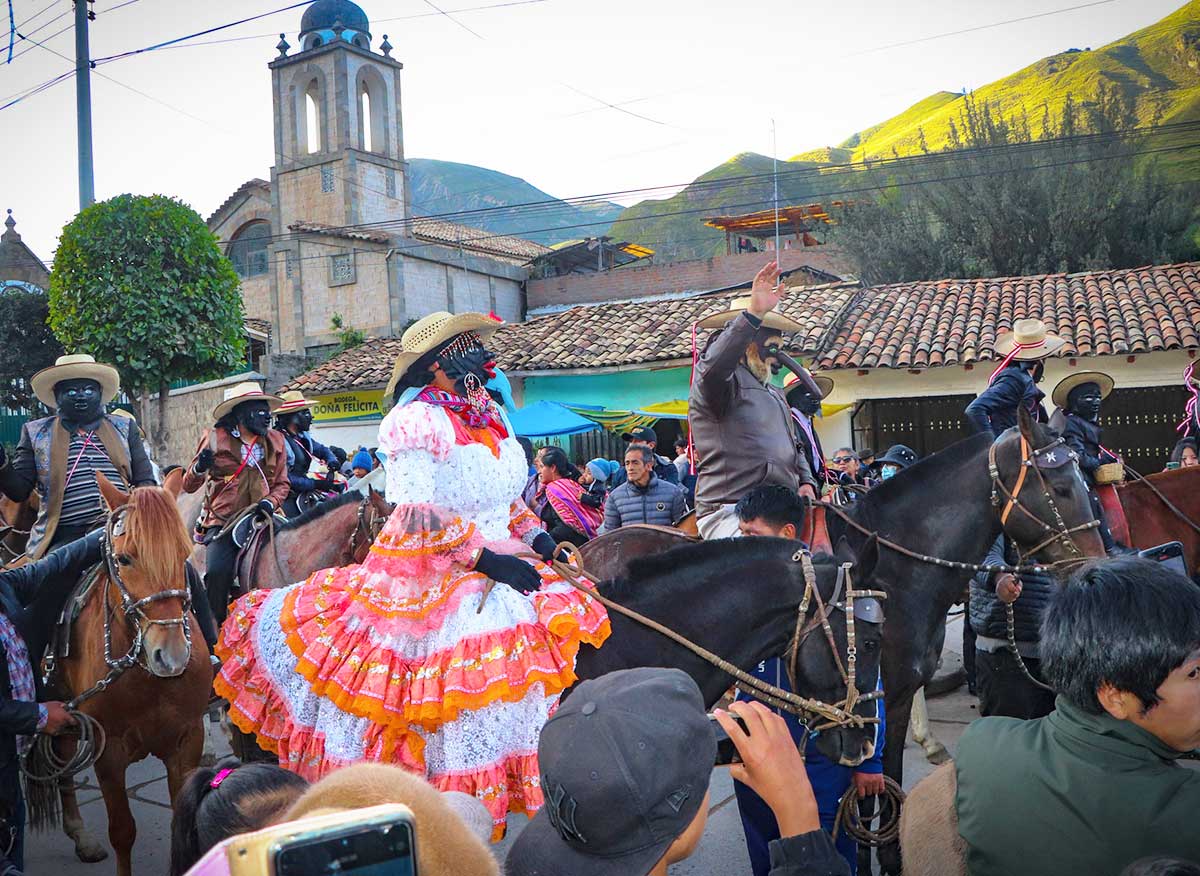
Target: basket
(1110, 473)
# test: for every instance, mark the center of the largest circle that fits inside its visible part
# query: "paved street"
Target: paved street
(721, 851)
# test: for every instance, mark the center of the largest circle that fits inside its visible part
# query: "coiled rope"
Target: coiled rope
(850, 819)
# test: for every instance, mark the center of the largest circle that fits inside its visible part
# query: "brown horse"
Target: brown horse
(1152, 523)
(139, 604)
(16, 522)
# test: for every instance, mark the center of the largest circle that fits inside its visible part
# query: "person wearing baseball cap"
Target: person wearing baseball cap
(663, 467)
(625, 765)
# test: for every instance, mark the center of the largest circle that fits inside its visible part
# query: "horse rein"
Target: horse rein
(367, 528)
(804, 627)
(7, 529)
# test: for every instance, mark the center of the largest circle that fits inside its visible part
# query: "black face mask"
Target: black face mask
(304, 420)
(806, 404)
(479, 362)
(79, 401)
(1084, 401)
(254, 417)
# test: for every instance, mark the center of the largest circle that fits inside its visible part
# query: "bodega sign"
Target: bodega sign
(343, 407)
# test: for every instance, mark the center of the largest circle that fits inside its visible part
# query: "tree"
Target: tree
(26, 345)
(348, 336)
(1087, 196)
(140, 282)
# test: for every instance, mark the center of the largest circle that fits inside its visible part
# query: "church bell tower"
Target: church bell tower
(339, 139)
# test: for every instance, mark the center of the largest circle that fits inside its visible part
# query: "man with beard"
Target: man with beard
(293, 419)
(59, 456)
(244, 464)
(742, 427)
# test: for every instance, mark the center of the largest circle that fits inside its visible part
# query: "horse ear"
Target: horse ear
(1025, 423)
(867, 559)
(113, 497)
(173, 483)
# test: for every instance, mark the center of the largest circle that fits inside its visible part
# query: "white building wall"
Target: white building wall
(510, 300)
(424, 287)
(849, 387)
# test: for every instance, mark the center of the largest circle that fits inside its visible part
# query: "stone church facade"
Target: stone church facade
(331, 232)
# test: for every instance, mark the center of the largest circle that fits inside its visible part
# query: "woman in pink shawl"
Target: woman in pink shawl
(563, 513)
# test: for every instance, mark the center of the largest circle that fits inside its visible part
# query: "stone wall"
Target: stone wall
(698, 275)
(189, 413)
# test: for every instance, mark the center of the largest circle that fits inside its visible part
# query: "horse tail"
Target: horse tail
(43, 800)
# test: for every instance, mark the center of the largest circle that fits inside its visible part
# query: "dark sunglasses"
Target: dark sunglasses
(840, 460)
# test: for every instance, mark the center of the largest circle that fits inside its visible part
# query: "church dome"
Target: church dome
(325, 14)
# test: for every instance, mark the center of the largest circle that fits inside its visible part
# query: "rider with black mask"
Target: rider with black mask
(1013, 384)
(293, 419)
(1079, 398)
(804, 398)
(243, 462)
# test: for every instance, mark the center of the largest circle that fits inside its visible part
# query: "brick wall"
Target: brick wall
(691, 276)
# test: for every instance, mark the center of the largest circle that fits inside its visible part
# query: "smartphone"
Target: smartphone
(1169, 554)
(1172, 466)
(727, 752)
(376, 841)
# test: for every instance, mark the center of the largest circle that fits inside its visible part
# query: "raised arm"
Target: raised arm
(1005, 393)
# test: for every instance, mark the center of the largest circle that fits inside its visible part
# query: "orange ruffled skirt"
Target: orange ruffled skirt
(394, 660)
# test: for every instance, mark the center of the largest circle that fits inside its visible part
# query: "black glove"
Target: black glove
(204, 461)
(266, 508)
(514, 572)
(544, 544)
(329, 484)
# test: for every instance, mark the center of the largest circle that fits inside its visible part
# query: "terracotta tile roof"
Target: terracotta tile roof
(368, 234)
(245, 187)
(367, 366)
(948, 322)
(608, 335)
(262, 326)
(517, 249)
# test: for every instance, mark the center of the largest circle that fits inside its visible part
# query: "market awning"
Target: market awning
(545, 418)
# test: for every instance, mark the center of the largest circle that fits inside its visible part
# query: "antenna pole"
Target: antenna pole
(775, 175)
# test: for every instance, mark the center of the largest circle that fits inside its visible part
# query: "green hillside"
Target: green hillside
(1157, 69)
(441, 187)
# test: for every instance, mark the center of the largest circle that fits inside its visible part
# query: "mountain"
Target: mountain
(1157, 69)
(440, 187)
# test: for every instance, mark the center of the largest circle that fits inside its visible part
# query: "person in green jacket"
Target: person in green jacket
(1096, 784)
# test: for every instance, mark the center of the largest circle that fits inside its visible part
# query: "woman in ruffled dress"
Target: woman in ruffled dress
(396, 660)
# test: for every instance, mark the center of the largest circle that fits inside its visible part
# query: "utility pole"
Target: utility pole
(83, 102)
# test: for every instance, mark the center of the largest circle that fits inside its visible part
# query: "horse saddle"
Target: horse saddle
(59, 644)
(1114, 513)
(816, 530)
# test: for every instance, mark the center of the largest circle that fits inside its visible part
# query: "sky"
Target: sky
(518, 88)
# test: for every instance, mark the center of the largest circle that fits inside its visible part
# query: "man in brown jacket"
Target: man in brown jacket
(742, 427)
(243, 463)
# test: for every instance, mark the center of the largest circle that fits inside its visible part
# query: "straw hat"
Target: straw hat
(293, 400)
(76, 366)
(824, 384)
(1031, 337)
(1059, 396)
(245, 392)
(773, 320)
(430, 332)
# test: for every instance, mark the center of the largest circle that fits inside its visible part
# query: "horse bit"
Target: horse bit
(868, 610)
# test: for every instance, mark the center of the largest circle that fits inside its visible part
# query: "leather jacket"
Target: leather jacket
(233, 486)
(743, 431)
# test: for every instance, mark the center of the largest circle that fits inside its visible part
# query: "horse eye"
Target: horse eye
(125, 559)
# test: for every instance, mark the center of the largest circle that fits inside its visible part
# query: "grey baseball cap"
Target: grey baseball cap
(625, 765)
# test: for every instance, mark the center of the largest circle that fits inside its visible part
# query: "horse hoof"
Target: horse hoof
(938, 755)
(90, 850)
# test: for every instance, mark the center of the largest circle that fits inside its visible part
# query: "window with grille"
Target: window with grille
(341, 269)
(390, 183)
(248, 249)
(327, 178)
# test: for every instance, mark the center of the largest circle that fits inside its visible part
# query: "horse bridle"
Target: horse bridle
(820, 618)
(132, 612)
(1060, 532)
(366, 530)
(7, 529)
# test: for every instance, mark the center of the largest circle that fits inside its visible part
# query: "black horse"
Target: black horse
(739, 599)
(943, 507)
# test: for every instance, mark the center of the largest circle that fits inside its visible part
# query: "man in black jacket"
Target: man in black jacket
(1014, 384)
(28, 595)
(1079, 398)
(1003, 688)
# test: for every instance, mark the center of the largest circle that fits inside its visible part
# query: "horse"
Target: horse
(739, 599)
(1025, 477)
(1152, 521)
(16, 522)
(137, 665)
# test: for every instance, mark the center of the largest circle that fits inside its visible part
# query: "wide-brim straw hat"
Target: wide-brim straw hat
(75, 366)
(1079, 378)
(824, 384)
(773, 320)
(293, 400)
(430, 332)
(245, 392)
(1034, 341)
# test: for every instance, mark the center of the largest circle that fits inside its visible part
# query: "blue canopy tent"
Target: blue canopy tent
(546, 418)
